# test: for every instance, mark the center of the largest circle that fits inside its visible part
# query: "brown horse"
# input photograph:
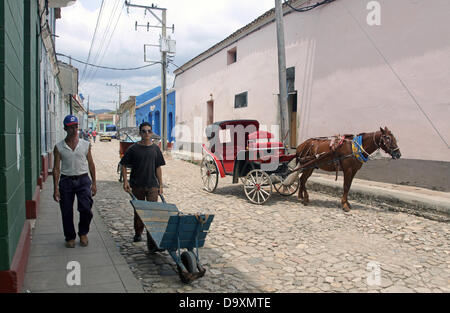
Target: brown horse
(333, 157)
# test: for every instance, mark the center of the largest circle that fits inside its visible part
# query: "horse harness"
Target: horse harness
(337, 141)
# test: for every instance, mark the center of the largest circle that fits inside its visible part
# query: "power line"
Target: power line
(308, 8)
(93, 71)
(106, 67)
(109, 42)
(98, 59)
(93, 40)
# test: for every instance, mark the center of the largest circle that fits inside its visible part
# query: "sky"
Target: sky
(199, 24)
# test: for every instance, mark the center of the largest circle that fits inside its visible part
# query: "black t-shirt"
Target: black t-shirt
(143, 160)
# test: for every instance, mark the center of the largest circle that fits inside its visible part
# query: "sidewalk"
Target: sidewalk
(103, 268)
(419, 201)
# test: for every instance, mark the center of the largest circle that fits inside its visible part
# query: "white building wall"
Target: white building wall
(350, 77)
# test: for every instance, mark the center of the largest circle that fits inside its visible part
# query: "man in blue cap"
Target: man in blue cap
(73, 161)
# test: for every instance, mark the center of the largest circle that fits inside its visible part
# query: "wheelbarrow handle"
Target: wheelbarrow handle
(132, 196)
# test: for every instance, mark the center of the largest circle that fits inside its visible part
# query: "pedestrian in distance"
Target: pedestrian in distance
(72, 162)
(86, 135)
(94, 134)
(145, 160)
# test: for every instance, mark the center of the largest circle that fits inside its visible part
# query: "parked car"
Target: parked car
(105, 137)
(111, 130)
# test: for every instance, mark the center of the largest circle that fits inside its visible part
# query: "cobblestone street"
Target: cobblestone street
(281, 246)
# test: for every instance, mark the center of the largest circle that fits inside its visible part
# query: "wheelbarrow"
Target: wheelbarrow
(169, 229)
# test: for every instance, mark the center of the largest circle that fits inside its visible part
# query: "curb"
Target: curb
(129, 281)
(427, 206)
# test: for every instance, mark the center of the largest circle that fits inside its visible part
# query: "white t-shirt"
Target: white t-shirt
(74, 162)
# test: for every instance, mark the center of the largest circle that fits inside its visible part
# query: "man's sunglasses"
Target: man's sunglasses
(145, 131)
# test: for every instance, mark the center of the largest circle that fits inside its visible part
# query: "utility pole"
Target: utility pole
(163, 86)
(88, 113)
(70, 104)
(119, 87)
(164, 50)
(284, 122)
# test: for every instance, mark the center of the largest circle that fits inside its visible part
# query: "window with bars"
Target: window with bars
(240, 100)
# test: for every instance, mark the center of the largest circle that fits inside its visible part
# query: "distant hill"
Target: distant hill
(101, 111)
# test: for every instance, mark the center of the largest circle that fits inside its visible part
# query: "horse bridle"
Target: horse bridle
(383, 141)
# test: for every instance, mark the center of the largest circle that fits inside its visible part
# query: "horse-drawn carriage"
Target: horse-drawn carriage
(240, 149)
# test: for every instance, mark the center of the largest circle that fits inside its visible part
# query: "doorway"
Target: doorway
(210, 112)
(292, 106)
(157, 129)
(292, 109)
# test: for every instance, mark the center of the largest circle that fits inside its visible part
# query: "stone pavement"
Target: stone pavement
(281, 246)
(102, 267)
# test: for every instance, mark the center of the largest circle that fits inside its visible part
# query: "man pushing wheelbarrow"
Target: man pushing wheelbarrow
(145, 160)
(167, 227)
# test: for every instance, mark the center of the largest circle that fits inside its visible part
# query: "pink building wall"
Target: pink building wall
(350, 77)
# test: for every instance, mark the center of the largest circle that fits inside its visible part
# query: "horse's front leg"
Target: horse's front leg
(300, 189)
(348, 178)
(302, 193)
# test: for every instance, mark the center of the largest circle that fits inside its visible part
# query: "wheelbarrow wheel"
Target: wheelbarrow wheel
(189, 261)
(209, 173)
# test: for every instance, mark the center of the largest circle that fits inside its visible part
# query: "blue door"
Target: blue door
(169, 135)
(157, 129)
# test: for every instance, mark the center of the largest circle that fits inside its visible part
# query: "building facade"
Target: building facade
(127, 113)
(30, 100)
(104, 120)
(150, 111)
(344, 75)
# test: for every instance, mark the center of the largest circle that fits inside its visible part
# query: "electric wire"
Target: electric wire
(109, 42)
(99, 55)
(93, 40)
(107, 67)
(97, 59)
(308, 8)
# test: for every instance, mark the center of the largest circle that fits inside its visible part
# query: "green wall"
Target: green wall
(104, 123)
(18, 119)
(31, 99)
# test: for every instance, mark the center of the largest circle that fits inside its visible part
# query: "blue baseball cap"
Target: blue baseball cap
(70, 120)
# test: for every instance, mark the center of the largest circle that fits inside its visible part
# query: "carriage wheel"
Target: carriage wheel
(258, 186)
(209, 173)
(286, 190)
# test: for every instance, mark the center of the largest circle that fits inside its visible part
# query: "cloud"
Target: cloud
(199, 24)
